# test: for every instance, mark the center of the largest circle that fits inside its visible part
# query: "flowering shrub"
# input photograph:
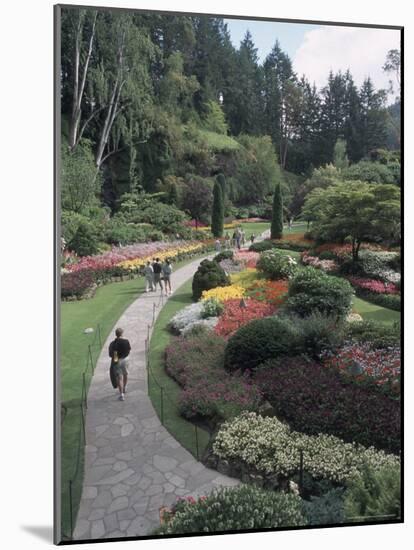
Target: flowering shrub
(315, 399)
(269, 446)
(244, 507)
(235, 316)
(373, 285)
(223, 293)
(190, 317)
(273, 292)
(314, 261)
(250, 259)
(361, 363)
(211, 308)
(196, 363)
(276, 265)
(231, 266)
(209, 275)
(377, 335)
(344, 251)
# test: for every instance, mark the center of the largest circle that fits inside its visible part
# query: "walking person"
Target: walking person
(217, 245)
(119, 351)
(166, 272)
(242, 237)
(233, 240)
(252, 237)
(227, 241)
(238, 238)
(157, 268)
(149, 277)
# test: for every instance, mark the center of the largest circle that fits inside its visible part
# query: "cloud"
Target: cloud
(362, 51)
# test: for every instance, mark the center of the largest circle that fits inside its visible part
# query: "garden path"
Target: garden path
(133, 466)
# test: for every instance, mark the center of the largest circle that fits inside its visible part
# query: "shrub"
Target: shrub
(225, 255)
(312, 290)
(260, 340)
(376, 494)
(245, 507)
(185, 317)
(325, 509)
(316, 399)
(319, 332)
(276, 265)
(209, 275)
(261, 246)
(390, 301)
(377, 335)
(373, 286)
(119, 232)
(85, 240)
(372, 172)
(267, 445)
(211, 308)
(77, 283)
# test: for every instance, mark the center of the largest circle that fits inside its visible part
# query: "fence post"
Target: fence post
(70, 509)
(83, 423)
(301, 471)
(90, 358)
(162, 405)
(99, 336)
(148, 332)
(153, 313)
(84, 394)
(196, 439)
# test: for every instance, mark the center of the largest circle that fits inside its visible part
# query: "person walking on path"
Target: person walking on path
(157, 268)
(238, 238)
(252, 237)
(233, 240)
(217, 245)
(149, 277)
(242, 237)
(227, 241)
(166, 273)
(119, 351)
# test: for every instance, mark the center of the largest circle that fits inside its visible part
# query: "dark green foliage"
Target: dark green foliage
(225, 255)
(375, 495)
(245, 507)
(325, 509)
(391, 301)
(260, 340)
(217, 217)
(222, 181)
(378, 335)
(119, 232)
(208, 275)
(276, 228)
(164, 217)
(311, 290)
(85, 240)
(319, 332)
(261, 246)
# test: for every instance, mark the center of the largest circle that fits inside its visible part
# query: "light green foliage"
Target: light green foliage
(375, 495)
(371, 172)
(214, 120)
(358, 210)
(340, 157)
(245, 507)
(80, 181)
(272, 447)
(211, 308)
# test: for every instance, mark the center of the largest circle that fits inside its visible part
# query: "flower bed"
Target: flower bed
(245, 278)
(373, 285)
(223, 293)
(235, 316)
(361, 363)
(273, 292)
(315, 399)
(250, 259)
(196, 363)
(269, 446)
(314, 261)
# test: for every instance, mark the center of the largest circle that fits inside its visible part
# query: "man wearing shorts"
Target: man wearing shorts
(118, 351)
(156, 266)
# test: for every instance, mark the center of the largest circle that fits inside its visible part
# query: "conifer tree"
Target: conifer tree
(276, 228)
(217, 218)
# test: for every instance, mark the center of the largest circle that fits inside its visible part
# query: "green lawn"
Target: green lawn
(375, 313)
(165, 400)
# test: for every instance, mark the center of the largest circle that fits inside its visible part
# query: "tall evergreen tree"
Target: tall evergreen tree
(222, 181)
(276, 228)
(373, 117)
(217, 217)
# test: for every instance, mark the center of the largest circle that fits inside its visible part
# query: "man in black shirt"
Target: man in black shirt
(118, 351)
(157, 267)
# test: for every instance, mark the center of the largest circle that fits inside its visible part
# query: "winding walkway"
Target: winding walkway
(133, 466)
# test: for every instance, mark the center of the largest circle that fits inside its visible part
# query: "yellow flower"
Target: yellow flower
(222, 293)
(244, 278)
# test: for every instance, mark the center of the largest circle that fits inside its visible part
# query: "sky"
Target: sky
(316, 49)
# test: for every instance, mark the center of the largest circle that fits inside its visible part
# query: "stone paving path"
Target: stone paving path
(133, 466)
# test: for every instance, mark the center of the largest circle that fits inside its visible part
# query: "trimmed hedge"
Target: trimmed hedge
(314, 399)
(225, 255)
(378, 335)
(208, 275)
(260, 340)
(390, 301)
(313, 290)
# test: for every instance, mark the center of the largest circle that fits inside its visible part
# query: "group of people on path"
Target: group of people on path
(237, 240)
(156, 273)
